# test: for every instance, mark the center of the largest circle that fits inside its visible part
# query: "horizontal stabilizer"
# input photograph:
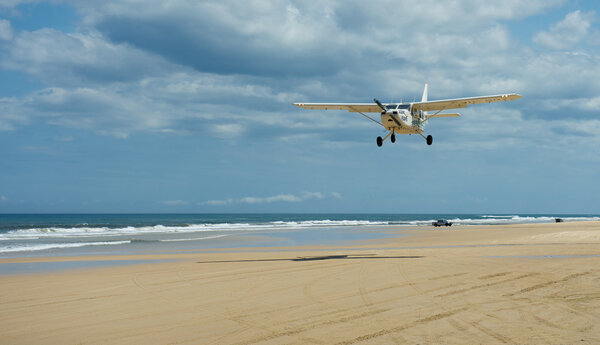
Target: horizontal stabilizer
(442, 115)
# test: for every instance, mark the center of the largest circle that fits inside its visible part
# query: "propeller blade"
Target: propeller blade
(380, 105)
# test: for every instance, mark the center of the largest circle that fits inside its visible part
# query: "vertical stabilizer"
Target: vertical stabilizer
(424, 98)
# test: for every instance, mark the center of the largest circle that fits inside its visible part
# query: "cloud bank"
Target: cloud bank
(273, 199)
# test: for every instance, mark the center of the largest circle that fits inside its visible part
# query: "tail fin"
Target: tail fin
(424, 98)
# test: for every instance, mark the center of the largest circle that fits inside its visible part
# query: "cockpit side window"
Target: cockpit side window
(403, 106)
(390, 106)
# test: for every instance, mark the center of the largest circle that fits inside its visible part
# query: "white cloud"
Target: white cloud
(3, 199)
(304, 196)
(270, 199)
(78, 58)
(175, 202)
(6, 32)
(228, 130)
(118, 80)
(568, 32)
(218, 202)
(12, 114)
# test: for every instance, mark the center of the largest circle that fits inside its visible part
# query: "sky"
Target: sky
(129, 106)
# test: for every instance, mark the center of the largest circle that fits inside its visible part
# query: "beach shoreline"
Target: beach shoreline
(521, 283)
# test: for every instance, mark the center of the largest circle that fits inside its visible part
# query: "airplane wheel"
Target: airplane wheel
(379, 141)
(429, 140)
(393, 138)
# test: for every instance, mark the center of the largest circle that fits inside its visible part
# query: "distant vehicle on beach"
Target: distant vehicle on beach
(409, 118)
(441, 222)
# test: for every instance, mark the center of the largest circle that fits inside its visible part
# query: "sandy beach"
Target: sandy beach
(502, 284)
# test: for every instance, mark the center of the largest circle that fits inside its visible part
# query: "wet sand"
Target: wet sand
(514, 284)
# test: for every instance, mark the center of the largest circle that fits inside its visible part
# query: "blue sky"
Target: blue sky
(185, 106)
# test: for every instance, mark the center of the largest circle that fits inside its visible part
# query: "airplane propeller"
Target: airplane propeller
(380, 105)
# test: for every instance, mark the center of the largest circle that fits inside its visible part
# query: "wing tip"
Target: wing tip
(514, 96)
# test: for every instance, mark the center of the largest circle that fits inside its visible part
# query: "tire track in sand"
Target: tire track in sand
(454, 292)
(387, 331)
(548, 283)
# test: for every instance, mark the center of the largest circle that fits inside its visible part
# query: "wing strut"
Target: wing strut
(367, 116)
(432, 116)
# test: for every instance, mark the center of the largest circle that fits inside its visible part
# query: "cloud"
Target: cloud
(3, 199)
(568, 32)
(227, 38)
(6, 32)
(270, 199)
(218, 202)
(101, 109)
(229, 130)
(59, 58)
(231, 69)
(287, 38)
(12, 114)
(175, 203)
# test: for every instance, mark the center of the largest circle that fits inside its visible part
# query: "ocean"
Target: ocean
(23, 235)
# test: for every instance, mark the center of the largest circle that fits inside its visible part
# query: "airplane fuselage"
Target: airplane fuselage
(398, 118)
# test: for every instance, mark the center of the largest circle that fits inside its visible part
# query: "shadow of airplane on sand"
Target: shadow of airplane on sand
(316, 258)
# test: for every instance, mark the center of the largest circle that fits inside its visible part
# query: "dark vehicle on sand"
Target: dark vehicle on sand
(441, 222)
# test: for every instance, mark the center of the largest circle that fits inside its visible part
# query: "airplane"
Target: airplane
(409, 118)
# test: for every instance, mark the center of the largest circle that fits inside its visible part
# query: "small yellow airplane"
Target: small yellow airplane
(409, 118)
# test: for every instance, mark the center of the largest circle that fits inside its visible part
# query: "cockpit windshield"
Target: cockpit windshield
(397, 106)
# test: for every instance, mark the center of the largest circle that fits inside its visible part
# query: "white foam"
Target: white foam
(492, 216)
(35, 233)
(86, 232)
(46, 246)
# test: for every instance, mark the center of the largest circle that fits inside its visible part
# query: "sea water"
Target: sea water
(97, 234)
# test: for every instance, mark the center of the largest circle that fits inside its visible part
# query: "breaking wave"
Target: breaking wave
(36, 233)
(46, 246)
(87, 231)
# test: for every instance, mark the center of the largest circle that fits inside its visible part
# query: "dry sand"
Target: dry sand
(519, 284)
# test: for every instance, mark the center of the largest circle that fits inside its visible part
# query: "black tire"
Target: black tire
(379, 141)
(429, 140)
(393, 138)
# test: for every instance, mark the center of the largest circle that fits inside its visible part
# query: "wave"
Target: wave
(492, 220)
(46, 246)
(495, 216)
(495, 220)
(87, 232)
(36, 233)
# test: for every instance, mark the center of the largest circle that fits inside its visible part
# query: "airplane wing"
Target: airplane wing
(442, 115)
(353, 107)
(462, 102)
